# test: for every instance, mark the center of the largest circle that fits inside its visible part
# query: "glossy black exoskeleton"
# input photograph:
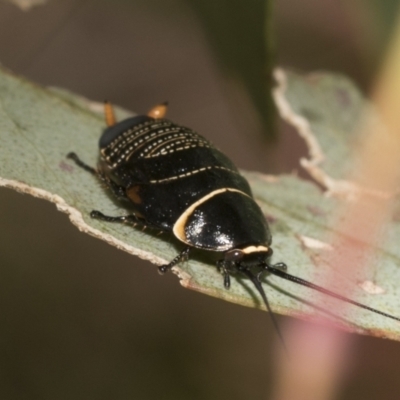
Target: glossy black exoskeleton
(177, 181)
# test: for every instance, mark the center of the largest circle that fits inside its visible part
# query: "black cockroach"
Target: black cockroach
(177, 181)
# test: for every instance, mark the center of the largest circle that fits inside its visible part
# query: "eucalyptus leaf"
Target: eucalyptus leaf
(39, 126)
(332, 105)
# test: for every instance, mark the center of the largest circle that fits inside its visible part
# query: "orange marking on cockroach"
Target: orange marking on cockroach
(133, 194)
(109, 114)
(158, 111)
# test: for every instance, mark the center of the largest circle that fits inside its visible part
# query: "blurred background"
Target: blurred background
(82, 320)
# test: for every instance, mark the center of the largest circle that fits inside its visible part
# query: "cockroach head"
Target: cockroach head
(248, 256)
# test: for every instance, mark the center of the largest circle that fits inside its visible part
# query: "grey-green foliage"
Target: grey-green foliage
(332, 106)
(39, 126)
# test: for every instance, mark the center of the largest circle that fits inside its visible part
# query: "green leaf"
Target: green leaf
(39, 126)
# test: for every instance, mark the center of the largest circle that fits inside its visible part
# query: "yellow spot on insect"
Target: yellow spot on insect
(109, 114)
(133, 194)
(158, 111)
(255, 249)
